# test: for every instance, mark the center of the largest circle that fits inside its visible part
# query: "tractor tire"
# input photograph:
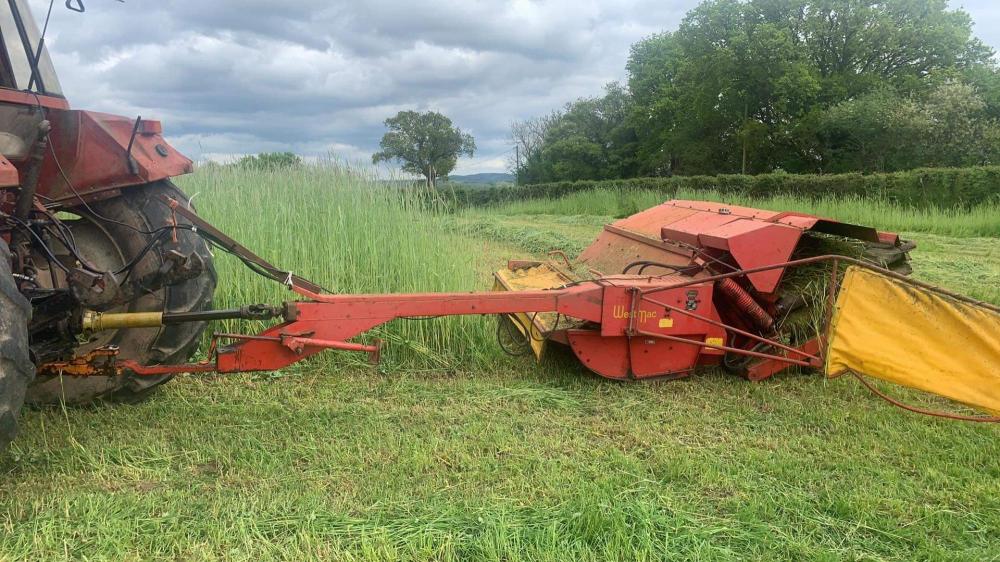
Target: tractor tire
(112, 232)
(16, 370)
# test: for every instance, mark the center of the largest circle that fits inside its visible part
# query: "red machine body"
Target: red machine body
(723, 264)
(683, 233)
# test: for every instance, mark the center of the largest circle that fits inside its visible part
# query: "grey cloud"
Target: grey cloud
(240, 76)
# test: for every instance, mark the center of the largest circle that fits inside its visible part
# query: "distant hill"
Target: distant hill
(489, 178)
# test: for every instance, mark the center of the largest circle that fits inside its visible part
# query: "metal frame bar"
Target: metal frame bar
(729, 328)
(781, 358)
(836, 259)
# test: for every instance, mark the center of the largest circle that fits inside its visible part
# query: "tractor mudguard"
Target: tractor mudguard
(93, 151)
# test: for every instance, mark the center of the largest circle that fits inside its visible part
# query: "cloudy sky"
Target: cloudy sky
(231, 77)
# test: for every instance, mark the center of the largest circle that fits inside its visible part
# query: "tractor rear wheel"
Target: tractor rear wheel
(16, 370)
(109, 234)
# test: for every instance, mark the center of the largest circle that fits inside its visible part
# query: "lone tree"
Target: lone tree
(425, 143)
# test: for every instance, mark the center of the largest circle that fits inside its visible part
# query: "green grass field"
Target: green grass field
(454, 451)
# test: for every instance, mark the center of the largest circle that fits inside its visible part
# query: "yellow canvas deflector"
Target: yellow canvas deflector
(911, 336)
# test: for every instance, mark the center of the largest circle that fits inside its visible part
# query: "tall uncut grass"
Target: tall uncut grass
(981, 220)
(347, 231)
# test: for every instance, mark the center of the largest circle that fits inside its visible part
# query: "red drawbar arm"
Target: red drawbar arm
(328, 321)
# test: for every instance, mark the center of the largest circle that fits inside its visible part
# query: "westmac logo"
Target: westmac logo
(620, 311)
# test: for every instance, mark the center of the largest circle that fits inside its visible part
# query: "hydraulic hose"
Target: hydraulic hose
(26, 199)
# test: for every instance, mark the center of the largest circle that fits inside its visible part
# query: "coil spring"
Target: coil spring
(746, 303)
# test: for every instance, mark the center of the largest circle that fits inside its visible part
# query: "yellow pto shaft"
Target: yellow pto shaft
(101, 321)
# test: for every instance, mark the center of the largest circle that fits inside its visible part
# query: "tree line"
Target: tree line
(804, 86)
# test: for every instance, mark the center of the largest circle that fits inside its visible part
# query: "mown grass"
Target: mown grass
(486, 459)
(982, 220)
(538, 239)
(544, 464)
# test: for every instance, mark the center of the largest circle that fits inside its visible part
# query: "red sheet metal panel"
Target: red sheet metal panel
(689, 229)
(667, 233)
(795, 219)
(752, 243)
(664, 234)
(638, 238)
(798, 220)
(888, 237)
(632, 342)
(651, 357)
(723, 209)
(650, 221)
(613, 250)
(617, 314)
(718, 237)
(608, 357)
(761, 247)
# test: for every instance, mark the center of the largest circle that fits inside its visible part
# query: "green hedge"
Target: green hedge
(924, 187)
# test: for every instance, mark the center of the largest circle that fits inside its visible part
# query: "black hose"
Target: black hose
(41, 243)
(643, 264)
(506, 320)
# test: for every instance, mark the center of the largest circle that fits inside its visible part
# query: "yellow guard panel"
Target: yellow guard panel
(542, 276)
(900, 333)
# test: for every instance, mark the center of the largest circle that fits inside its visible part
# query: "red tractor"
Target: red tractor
(83, 221)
